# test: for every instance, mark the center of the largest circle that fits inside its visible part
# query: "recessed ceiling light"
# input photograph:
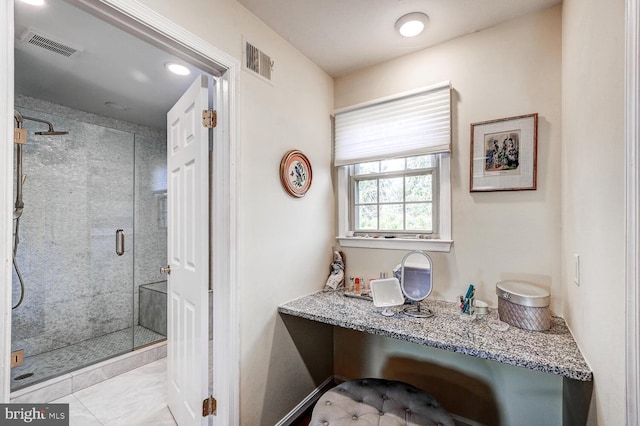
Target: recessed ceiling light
(115, 105)
(177, 68)
(34, 2)
(412, 24)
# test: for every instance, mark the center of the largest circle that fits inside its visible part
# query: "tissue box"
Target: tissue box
(523, 305)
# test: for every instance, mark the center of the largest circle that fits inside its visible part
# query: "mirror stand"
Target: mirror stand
(416, 312)
(416, 280)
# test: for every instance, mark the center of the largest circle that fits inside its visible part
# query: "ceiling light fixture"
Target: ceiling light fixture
(34, 2)
(412, 24)
(177, 68)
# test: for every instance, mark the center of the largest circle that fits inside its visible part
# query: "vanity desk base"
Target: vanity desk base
(553, 352)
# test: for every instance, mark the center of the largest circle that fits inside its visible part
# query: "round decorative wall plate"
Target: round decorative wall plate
(295, 173)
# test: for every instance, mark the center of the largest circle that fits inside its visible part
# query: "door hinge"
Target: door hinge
(209, 407)
(209, 118)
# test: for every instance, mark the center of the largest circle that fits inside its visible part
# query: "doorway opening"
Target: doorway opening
(79, 296)
(153, 29)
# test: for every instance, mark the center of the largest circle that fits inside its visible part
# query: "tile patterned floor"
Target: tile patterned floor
(136, 398)
(61, 361)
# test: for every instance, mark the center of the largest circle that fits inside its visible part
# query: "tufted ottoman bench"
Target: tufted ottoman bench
(378, 402)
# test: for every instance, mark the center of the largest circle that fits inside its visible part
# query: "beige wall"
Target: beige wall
(284, 243)
(511, 69)
(514, 68)
(593, 194)
(508, 70)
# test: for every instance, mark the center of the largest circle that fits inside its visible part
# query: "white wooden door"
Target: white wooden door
(188, 252)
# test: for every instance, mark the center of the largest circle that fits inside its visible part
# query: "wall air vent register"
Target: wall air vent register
(258, 62)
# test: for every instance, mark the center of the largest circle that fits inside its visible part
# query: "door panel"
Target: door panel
(188, 254)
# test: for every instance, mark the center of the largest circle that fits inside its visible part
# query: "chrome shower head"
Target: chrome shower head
(49, 132)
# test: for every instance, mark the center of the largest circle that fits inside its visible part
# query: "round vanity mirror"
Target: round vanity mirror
(416, 279)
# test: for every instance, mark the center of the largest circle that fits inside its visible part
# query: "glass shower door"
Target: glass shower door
(150, 292)
(79, 191)
(111, 216)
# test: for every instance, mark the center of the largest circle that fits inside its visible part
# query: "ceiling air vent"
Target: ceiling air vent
(34, 38)
(257, 61)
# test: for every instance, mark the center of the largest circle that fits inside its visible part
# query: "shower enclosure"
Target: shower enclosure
(91, 241)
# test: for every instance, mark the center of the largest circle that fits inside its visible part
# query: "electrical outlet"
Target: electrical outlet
(576, 269)
(17, 358)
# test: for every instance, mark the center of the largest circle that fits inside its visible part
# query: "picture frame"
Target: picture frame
(504, 154)
(295, 173)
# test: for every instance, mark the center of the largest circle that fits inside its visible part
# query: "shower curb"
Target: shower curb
(69, 383)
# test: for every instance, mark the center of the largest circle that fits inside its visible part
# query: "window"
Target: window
(394, 197)
(392, 160)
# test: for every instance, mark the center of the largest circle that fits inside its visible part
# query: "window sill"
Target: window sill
(396, 243)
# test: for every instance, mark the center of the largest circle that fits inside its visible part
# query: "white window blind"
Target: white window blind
(408, 124)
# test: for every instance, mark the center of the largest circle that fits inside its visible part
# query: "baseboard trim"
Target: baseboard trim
(308, 401)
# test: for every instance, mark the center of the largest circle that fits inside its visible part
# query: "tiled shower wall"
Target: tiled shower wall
(104, 175)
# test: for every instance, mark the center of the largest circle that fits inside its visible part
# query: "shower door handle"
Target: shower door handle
(120, 242)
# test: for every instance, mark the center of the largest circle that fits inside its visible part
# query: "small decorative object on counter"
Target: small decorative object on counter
(358, 289)
(466, 302)
(523, 305)
(336, 277)
(481, 307)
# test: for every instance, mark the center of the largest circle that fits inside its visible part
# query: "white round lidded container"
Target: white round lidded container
(524, 305)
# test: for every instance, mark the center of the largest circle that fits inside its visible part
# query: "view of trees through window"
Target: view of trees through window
(394, 195)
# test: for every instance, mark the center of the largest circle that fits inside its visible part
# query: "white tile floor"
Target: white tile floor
(135, 398)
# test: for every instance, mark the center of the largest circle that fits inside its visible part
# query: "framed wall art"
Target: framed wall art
(504, 154)
(295, 173)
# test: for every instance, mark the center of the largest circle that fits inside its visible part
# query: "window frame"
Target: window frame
(442, 242)
(433, 171)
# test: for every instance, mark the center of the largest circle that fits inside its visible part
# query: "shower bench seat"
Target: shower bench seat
(153, 307)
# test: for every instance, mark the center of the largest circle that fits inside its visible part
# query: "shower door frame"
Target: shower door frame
(150, 26)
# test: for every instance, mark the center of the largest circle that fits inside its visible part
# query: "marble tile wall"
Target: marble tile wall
(104, 175)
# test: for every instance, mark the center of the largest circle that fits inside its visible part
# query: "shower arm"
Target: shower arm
(48, 123)
(19, 118)
(19, 206)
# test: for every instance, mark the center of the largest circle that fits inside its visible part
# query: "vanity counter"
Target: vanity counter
(553, 351)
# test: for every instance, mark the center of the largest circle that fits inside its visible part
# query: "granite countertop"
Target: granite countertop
(553, 351)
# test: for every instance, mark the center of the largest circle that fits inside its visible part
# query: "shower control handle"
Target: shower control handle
(120, 242)
(166, 270)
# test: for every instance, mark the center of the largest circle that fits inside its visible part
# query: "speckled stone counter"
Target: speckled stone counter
(553, 351)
